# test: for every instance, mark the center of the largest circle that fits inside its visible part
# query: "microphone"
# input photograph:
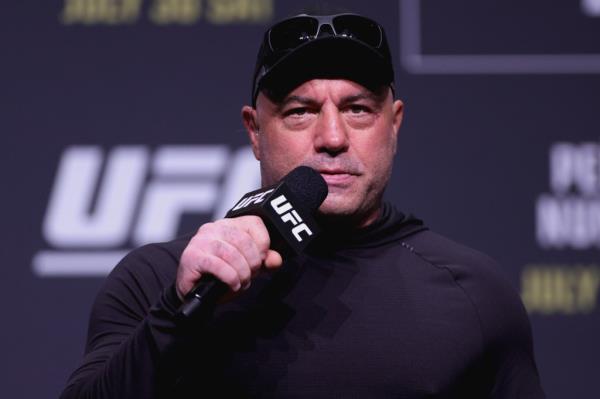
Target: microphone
(286, 208)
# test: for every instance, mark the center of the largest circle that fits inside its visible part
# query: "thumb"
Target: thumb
(273, 259)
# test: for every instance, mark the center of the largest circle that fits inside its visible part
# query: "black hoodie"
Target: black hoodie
(390, 311)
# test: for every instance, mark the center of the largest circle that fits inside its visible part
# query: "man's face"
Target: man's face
(339, 128)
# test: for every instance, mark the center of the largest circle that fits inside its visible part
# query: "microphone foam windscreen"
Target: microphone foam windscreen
(308, 186)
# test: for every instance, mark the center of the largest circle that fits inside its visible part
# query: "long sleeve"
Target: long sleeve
(132, 338)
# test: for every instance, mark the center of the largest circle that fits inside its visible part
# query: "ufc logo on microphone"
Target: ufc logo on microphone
(253, 199)
(289, 215)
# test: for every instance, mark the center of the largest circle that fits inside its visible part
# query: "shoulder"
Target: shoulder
(482, 280)
(444, 252)
(465, 264)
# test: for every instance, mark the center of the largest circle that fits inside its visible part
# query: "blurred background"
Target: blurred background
(120, 125)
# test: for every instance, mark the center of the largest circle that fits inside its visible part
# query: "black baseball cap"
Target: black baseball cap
(305, 47)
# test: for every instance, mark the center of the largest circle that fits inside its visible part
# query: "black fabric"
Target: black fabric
(391, 311)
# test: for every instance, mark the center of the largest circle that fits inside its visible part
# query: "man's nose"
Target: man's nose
(331, 135)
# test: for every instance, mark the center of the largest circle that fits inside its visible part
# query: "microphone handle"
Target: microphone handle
(205, 293)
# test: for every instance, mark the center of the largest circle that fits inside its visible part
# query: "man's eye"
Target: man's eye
(358, 109)
(296, 111)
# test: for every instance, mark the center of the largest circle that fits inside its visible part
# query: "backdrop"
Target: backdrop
(120, 124)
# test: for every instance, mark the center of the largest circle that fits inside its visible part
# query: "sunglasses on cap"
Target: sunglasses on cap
(296, 31)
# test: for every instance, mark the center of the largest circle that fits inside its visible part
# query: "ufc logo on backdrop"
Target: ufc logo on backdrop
(102, 201)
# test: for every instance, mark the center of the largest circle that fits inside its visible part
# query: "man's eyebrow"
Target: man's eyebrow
(363, 95)
(356, 97)
(298, 99)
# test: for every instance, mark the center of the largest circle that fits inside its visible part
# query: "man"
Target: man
(379, 307)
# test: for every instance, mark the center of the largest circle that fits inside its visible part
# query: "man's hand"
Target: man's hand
(233, 250)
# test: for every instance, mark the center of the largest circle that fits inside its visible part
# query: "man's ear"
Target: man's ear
(250, 120)
(398, 110)
(397, 115)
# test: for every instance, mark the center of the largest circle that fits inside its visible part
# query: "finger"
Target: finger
(243, 242)
(187, 272)
(255, 227)
(231, 255)
(196, 262)
(221, 270)
(273, 259)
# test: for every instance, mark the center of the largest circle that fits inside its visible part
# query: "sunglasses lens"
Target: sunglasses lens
(359, 28)
(291, 33)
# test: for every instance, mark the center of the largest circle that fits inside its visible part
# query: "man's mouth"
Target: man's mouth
(339, 178)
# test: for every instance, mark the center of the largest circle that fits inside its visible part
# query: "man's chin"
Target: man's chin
(336, 205)
(341, 211)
